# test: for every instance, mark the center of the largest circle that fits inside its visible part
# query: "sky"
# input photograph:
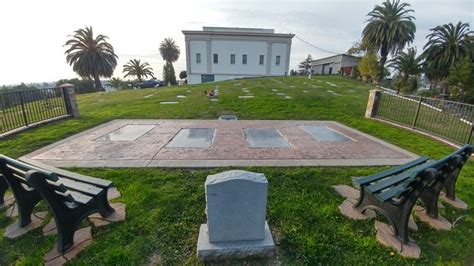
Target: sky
(33, 32)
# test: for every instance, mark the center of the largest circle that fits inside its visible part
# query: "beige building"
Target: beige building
(336, 64)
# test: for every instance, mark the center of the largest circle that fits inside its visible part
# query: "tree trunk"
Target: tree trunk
(383, 59)
(97, 83)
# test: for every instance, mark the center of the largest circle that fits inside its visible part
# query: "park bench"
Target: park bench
(394, 192)
(70, 197)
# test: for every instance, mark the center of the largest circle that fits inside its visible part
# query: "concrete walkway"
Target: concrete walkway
(217, 143)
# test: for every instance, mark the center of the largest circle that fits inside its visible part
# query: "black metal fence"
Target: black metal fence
(450, 120)
(24, 108)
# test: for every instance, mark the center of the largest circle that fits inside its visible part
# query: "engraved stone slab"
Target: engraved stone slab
(168, 102)
(236, 210)
(322, 133)
(193, 138)
(236, 206)
(265, 138)
(127, 133)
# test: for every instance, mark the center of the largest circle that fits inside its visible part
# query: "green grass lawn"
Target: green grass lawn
(166, 206)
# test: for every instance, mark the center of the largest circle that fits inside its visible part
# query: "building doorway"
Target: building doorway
(207, 78)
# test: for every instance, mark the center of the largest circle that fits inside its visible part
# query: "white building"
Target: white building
(218, 53)
(336, 64)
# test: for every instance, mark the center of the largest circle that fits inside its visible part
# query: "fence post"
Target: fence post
(417, 113)
(373, 103)
(22, 103)
(70, 99)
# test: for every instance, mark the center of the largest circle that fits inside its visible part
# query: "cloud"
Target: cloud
(33, 51)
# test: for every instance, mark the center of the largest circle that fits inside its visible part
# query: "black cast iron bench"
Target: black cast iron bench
(70, 197)
(395, 191)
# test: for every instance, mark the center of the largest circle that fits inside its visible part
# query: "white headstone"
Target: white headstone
(236, 203)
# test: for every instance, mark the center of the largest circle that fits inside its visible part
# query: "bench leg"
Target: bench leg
(398, 215)
(450, 184)
(429, 197)
(3, 189)
(103, 205)
(66, 229)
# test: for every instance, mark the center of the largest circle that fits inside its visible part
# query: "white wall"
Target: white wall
(224, 49)
(280, 49)
(195, 48)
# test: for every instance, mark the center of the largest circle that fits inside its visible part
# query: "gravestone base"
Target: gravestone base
(214, 251)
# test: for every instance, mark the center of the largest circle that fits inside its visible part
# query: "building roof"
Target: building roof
(237, 31)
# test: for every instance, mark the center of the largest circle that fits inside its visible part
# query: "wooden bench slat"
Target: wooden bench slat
(393, 192)
(74, 176)
(361, 181)
(388, 182)
(81, 187)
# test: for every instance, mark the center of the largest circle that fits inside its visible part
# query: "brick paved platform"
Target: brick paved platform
(216, 143)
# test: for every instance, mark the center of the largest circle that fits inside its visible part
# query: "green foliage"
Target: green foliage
(305, 66)
(368, 67)
(91, 57)
(117, 84)
(168, 74)
(447, 45)
(389, 29)
(135, 68)
(80, 85)
(461, 81)
(20, 87)
(169, 50)
(408, 86)
(183, 74)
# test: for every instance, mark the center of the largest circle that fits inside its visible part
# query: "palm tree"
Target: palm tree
(116, 83)
(137, 69)
(447, 45)
(389, 29)
(169, 50)
(91, 57)
(407, 63)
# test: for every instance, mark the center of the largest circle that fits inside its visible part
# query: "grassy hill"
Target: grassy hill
(166, 206)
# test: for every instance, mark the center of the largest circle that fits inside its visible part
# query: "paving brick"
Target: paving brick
(440, 224)
(386, 237)
(82, 239)
(113, 193)
(458, 203)
(117, 216)
(14, 230)
(347, 192)
(348, 210)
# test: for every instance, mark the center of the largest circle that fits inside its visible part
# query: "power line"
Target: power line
(314, 46)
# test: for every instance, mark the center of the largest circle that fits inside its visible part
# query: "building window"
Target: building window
(216, 59)
(198, 58)
(232, 58)
(277, 61)
(244, 59)
(261, 60)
